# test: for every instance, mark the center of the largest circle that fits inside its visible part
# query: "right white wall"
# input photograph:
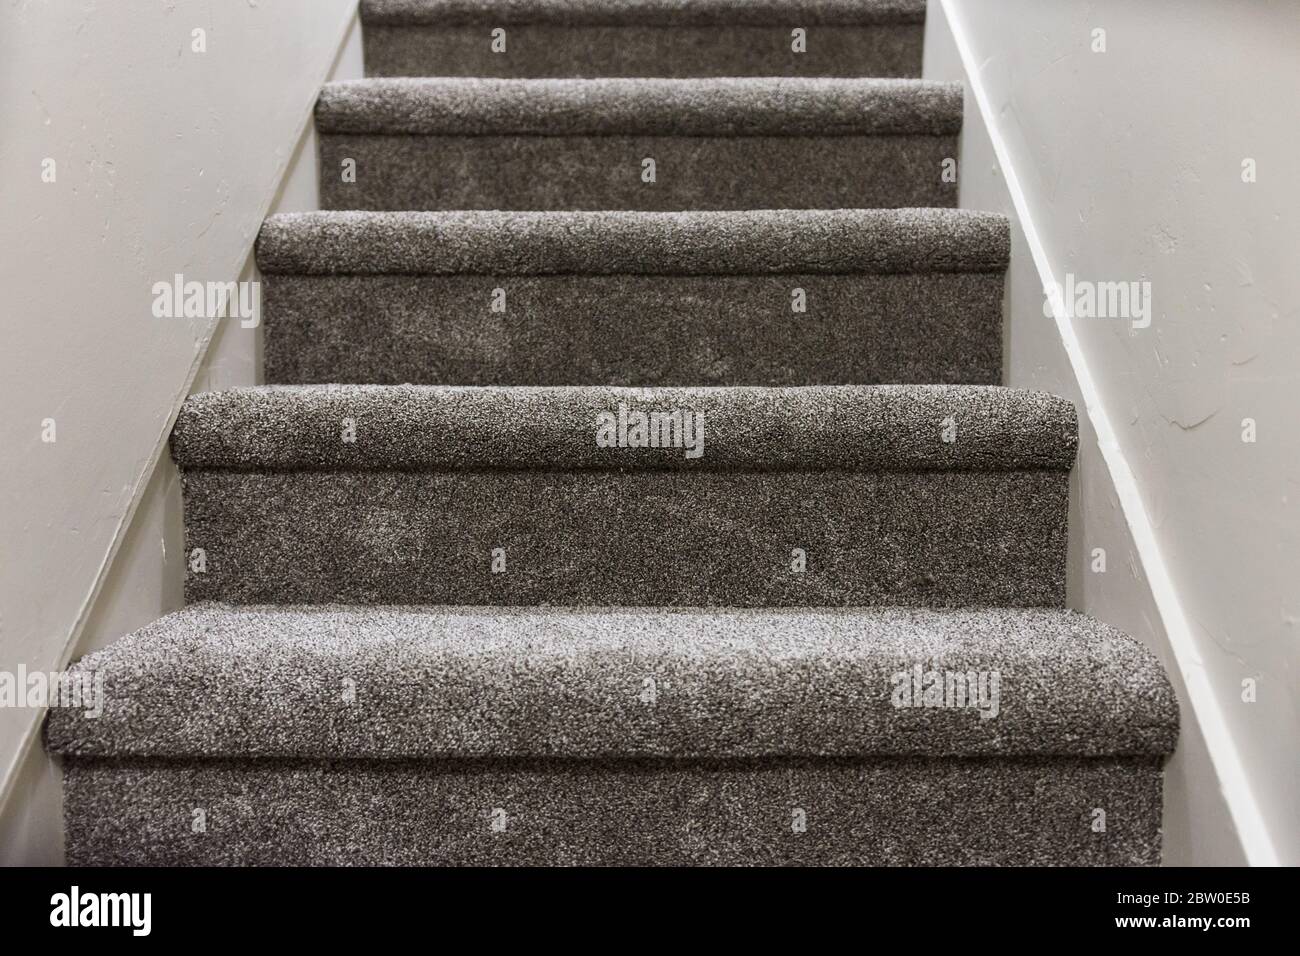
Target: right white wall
(1117, 134)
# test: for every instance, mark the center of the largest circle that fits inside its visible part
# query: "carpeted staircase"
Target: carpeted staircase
(605, 511)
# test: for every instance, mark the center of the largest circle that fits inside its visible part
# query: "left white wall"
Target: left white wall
(165, 160)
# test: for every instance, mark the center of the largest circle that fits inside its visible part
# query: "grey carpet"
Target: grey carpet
(587, 50)
(754, 242)
(435, 329)
(597, 38)
(666, 537)
(648, 12)
(604, 172)
(811, 429)
(215, 681)
(723, 106)
(858, 477)
(640, 299)
(879, 810)
(719, 143)
(527, 738)
(425, 618)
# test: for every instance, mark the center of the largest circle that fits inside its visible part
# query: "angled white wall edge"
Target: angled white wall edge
(1209, 770)
(137, 577)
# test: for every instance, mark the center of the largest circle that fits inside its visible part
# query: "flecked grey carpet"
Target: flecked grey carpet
(662, 12)
(782, 297)
(720, 143)
(898, 428)
(801, 496)
(727, 106)
(594, 38)
(318, 735)
(793, 812)
(593, 517)
(332, 681)
(753, 242)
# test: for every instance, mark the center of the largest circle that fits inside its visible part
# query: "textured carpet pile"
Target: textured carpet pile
(652, 38)
(665, 144)
(634, 298)
(632, 485)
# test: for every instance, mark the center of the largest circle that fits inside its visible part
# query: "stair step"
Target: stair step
(837, 495)
(720, 143)
(634, 298)
(556, 38)
(284, 722)
(599, 682)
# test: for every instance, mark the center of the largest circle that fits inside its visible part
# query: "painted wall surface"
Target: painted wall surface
(1135, 165)
(134, 149)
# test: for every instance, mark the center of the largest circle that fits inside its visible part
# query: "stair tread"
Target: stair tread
(785, 241)
(215, 680)
(642, 12)
(646, 106)
(554, 428)
(650, 38)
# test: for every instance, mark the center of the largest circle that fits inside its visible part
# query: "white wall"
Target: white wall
(1126, 165)
(167, 160)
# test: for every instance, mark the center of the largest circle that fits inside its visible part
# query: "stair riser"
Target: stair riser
(545, 50)
(638, 538)
(422, 172)
(634, 330)
(875, 811)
